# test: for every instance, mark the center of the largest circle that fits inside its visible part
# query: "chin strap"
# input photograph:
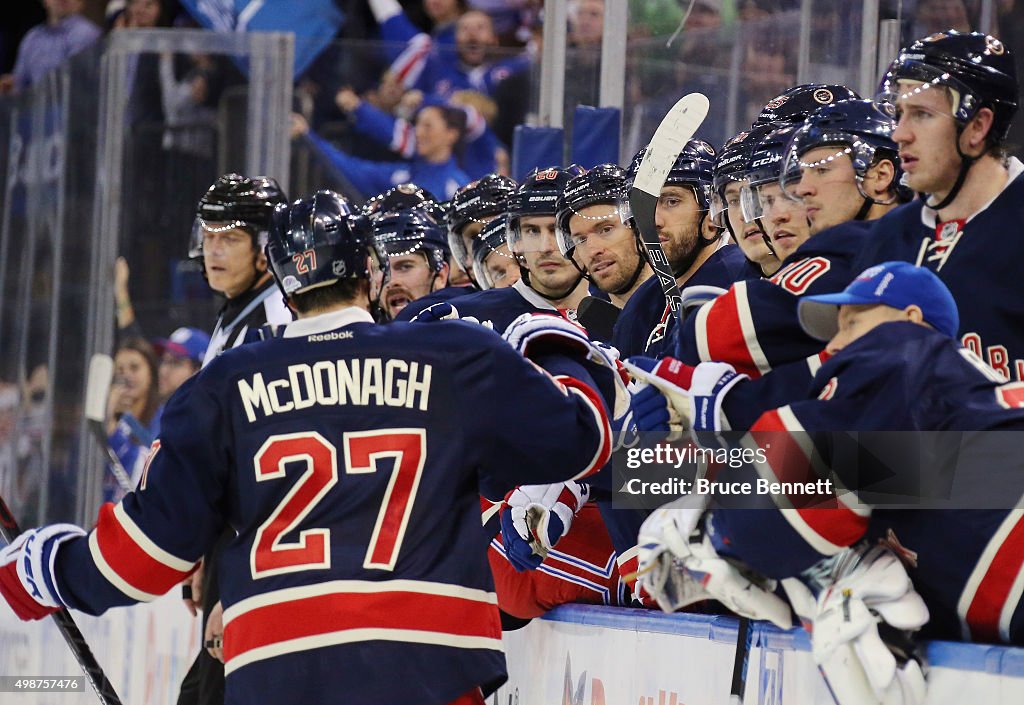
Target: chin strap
(966, 163)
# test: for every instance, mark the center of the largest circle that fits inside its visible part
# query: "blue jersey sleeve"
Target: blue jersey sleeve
(367, 176)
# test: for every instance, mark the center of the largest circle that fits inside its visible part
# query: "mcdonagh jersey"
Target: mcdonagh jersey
(978, 259)
(964, 549)
(350, 459)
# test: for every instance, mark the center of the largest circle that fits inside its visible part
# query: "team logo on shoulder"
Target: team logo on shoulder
(823, 96)
(776, 102)
(993, 46)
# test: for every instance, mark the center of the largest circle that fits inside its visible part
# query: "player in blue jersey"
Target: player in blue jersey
(329, 451)
(896, 367)
(956, 96)
(493, 264)
(597, 234)
(417, 252)
(693, 245)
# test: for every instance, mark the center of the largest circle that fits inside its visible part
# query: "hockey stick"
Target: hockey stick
(676, 129)
(739, 665)
(97, 388)
(69, 630)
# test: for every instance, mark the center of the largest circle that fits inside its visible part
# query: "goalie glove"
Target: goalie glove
(536, 517)
(26, 570)
(679, 565)
(862, 626)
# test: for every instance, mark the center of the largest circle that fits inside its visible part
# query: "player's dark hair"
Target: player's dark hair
(341, 292)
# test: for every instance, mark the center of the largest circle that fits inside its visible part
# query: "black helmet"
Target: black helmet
(978, 67)
(605, 183)
(861, 129)
(236, 201)
(411, 230)
(764, 167)
(537, 195)
(487, 243)
(481, 199)
(693, 167)
(796, 103)
(317, 241)
(404, 197)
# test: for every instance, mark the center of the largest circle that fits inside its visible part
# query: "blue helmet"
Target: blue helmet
(796, 103)
(861, 129)
(404, 197)
(694, 167)
(487, 243)
(474, 203)
(731, 165)
(411, 230)
(537, 196)
(604, 183)
(317, 241)
(979, 69)
(764, 166)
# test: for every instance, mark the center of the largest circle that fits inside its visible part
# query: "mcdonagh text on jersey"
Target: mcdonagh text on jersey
(358, 382)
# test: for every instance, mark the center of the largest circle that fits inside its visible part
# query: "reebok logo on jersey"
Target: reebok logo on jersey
(333, 335)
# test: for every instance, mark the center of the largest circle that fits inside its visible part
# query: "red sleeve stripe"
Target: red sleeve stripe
(996, 584)
(596, 406)
(837, 520)
(350, 611)
(129, 559)
(725, 333)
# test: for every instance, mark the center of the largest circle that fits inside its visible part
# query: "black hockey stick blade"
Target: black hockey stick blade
(598, 317)
(676, 129)
(740, 662)
(66, 624)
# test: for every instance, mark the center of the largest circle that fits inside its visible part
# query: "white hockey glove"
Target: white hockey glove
(678, 565)
(870, 595)
(536, 517)
(26, 570)
(444, 311)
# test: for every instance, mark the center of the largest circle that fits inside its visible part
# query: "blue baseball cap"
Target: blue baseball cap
(896, 284)
(185, 342)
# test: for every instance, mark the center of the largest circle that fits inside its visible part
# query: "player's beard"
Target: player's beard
(683, 252)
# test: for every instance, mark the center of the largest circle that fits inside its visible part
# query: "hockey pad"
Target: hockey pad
(26, 570)
(662, 545)
(536, 517)
(862, 628)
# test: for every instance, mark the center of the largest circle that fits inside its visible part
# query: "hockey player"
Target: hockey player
(493, 264)
(955, 96)
(691, 242)
(896, 367)
(472, 207)
(596, 232)
(861, 184)
(230, 233)
(729, 177)
(417, 252)
(338, 582)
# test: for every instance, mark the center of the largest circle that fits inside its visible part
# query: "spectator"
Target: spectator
(46, 46)
(133, 412)
(181, 356)
(396, 29)
(438, 131)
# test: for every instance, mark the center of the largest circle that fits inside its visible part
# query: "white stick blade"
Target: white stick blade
(675, 130)
(97, 387)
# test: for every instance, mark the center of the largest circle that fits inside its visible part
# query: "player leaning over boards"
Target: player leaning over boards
(343, 572)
